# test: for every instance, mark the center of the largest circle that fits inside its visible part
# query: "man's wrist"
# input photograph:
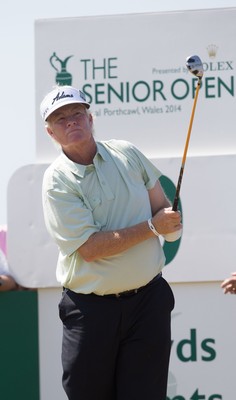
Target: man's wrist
(152, 227)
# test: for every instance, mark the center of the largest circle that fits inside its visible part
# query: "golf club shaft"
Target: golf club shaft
(176, 199)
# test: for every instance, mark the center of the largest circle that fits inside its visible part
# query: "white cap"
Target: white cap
(59, 97)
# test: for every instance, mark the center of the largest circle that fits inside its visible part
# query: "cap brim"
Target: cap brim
(65, 103)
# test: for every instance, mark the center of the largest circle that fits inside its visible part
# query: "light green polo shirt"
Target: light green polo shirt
(111, 193)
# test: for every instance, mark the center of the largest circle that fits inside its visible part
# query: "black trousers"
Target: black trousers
(117, 348)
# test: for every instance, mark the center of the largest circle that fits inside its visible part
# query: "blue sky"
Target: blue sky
(17, 67)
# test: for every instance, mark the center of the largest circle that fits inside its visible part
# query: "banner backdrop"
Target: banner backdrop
(207, 248)
(202, 365)
(132, 69)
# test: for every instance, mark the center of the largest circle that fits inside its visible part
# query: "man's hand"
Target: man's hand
(167, 221)
(229, 285)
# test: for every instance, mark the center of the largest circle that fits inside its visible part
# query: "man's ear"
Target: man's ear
(91, 119)
(49, 131)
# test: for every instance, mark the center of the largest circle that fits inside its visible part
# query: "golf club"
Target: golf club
(195, 66)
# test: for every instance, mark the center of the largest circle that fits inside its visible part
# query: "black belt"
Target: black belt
(126, 293)
(131, 292)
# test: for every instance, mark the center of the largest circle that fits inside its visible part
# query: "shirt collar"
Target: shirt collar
(80, 169)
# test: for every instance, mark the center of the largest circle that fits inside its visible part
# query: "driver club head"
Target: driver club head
(195, 66)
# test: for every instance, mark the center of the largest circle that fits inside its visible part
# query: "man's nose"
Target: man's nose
(71, 120)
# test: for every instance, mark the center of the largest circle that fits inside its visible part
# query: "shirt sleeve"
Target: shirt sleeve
(68, 220)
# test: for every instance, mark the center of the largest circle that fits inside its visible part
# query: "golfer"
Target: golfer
(105, 208)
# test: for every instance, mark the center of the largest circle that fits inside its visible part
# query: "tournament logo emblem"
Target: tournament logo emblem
(63, 77)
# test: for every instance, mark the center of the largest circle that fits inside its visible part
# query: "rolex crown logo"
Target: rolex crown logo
(212, 50)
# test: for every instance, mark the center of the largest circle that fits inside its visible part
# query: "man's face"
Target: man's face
(70, 125)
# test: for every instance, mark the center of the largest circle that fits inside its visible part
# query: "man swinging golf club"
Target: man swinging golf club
(105, 208)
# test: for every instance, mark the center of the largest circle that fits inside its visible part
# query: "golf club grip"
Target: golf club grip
(176, 199)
